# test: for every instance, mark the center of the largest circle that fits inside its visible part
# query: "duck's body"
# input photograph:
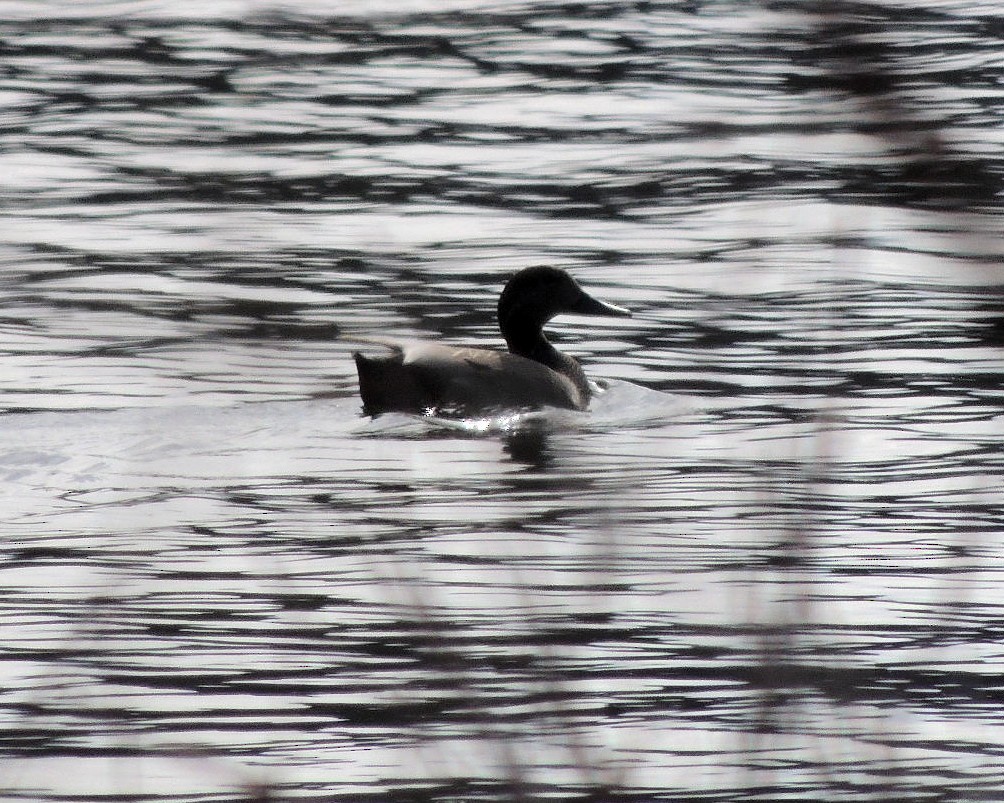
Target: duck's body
(421, 377)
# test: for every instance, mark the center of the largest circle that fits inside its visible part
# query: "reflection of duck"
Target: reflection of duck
(421, 377)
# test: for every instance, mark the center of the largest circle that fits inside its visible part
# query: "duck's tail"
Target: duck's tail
(386, 384)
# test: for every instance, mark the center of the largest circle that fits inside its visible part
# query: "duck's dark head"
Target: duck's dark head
(534, 296)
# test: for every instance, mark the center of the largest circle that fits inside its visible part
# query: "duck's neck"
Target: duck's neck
(534, 346)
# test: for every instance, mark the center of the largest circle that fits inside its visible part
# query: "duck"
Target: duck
(428, 378)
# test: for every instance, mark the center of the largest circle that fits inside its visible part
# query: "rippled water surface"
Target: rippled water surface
(766, 564)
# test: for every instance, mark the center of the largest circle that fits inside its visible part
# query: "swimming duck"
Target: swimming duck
(421, 377)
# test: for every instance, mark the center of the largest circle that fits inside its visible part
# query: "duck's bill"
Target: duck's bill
(587, 305)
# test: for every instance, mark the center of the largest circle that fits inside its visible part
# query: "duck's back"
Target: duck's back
(419, 377)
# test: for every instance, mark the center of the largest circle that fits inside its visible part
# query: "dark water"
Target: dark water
(766, 565)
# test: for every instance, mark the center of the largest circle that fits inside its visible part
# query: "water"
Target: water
(765, 565)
